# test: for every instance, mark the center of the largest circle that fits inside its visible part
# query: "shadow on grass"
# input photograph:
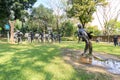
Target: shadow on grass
(41, 62)
(36, 62)
(7, 47)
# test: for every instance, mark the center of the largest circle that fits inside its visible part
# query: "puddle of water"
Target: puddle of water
(113, 66)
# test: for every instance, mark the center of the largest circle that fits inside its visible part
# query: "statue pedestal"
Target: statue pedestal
(86, 60)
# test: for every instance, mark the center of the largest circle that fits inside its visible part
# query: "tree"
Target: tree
(68, 29)
(12, 10)
(42, 17)
(83, 9)
(117, 28)
(18, 24)
(95, 31)
(16, 5)
(107, 16)
(59, 7)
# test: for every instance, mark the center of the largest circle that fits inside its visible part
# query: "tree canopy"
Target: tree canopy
(112, 27)
(41, 18)
(17, 6)
(95, 31)
(83, 9)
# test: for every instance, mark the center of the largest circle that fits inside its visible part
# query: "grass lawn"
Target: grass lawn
(44, 62)
(108, 48)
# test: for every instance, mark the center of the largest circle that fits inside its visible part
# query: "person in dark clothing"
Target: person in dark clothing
(85, 37)
(115, 40)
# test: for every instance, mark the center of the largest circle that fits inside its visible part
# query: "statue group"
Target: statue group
(36, 36)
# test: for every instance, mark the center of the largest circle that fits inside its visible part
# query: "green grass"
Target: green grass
(108, 48)
(42, 62)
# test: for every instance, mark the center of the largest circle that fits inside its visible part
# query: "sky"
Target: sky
(43, 2)
(50, 4)
(110, 11)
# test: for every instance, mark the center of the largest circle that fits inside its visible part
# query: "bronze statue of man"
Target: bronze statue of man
(85, 37)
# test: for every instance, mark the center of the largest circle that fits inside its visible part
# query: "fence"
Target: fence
(104, 38)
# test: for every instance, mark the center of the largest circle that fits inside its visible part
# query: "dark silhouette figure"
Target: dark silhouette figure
(51, 36)
(115, 40)
(41, 36)
(59, 37)
(85, 37)
(30, 36)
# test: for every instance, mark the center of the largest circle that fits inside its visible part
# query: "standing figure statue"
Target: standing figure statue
(59, 36)
(30, 36)
(85, 37)
(51, 36)
(18, 36)
(41, 36)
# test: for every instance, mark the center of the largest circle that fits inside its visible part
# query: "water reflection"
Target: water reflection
(111, 65)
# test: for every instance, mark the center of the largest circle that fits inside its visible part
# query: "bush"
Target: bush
(68, 29)
(68, 38)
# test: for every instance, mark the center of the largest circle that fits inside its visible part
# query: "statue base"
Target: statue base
(85, 59)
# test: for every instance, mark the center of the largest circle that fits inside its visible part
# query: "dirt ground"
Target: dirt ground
(73, 57)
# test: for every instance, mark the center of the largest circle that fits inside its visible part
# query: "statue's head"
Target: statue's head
(80, 26)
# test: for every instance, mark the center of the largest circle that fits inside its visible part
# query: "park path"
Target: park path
(72, 57)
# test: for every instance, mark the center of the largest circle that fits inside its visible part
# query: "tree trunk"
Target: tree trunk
(108, 38)
(82, 22)
(11, 31)
(57, 25)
